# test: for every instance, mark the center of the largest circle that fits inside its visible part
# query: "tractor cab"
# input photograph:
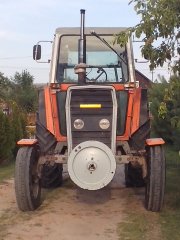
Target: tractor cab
(105, 63)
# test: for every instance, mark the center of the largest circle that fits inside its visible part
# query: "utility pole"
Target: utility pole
(152, 72)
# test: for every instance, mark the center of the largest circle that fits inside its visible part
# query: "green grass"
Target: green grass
(6, 171)
(138, 223)
(170, 216)
(134, 227)
(141, 224)
(172, 157)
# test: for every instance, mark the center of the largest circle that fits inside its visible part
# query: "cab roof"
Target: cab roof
(88, 30)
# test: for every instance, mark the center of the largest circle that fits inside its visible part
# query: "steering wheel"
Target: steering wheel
(101, 71)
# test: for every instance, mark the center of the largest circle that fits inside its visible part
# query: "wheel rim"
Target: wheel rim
(97, 163)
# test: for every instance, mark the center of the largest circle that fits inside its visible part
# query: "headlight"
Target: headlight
(78, 124)
(104, 123)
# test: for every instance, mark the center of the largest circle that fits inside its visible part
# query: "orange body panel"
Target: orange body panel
(58, 135)
(48, 104)
(64, 87)
(128, 119)
(132, 118)
(27, 142)
(118, 87)
(52, 114)
(154, 141)
(136, 110)
(133, 114)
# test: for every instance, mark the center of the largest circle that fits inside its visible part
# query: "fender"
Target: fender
(27, 142)
(154, 141)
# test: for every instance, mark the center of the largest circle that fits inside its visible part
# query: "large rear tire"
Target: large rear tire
(155, 186)
(27, 182)
(133, 176)
(52, 176)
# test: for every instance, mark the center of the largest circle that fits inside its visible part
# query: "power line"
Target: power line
(7, 58)
(18, 67)
(21, 57)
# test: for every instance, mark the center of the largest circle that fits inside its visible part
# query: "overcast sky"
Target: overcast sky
(24, 22)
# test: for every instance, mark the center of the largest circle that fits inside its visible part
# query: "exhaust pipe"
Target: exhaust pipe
(80, 69)
(82, 40)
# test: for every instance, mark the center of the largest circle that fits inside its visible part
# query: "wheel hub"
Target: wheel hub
(91, 165)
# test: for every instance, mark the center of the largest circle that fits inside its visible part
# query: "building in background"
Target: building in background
(144, 82)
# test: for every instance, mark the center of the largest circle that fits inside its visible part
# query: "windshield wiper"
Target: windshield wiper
(108, 45)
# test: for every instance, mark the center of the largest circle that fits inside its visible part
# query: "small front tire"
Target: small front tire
(155, 185)
(27, 182)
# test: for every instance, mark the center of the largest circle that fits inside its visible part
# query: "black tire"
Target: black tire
(156, 171)
(51, 176)
(46, 140)
(27, 182)
(133, 176)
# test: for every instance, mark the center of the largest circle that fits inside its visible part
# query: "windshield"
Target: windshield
(104, 65)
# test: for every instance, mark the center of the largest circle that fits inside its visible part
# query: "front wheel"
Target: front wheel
(155, 185)
(27, 182)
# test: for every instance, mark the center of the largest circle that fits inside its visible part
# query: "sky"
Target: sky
(25, 22)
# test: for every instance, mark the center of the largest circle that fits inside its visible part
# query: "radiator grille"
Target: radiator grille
(91, 116)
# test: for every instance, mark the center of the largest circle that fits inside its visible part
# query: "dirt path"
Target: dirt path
(69, 213)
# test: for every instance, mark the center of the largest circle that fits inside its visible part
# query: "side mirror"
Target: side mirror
(37, 52)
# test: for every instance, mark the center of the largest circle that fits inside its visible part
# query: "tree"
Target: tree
(6, 138)
(165, 108)
(5, 87)
(20, 96)
(18, 123)
(24, 79)
(25, 93)
(160, 29)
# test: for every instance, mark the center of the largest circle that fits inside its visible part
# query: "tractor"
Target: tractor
(92, 116)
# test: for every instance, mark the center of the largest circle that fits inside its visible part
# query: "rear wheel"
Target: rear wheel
(133, 176)
(52, 176)
(155, 185)
(27, 182)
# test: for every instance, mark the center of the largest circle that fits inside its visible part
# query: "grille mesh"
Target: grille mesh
(91, 116)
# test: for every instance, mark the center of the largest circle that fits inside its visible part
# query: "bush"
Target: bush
(12, 128)
(165, 108)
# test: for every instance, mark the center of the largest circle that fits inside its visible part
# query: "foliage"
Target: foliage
(165, 108)
(18, 121)
(20, 96)
(5, 87)
(6, 171)
(12, 128)
(5, 140)
(25, 93)
(160, 27)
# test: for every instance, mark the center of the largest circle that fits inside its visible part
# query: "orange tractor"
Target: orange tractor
(92, 116)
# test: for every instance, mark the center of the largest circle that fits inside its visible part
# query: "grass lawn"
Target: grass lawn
(170, 216)
(161, 226)
(6, 171)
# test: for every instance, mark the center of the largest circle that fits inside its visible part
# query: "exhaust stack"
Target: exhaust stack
(80, 69)
(82, 40)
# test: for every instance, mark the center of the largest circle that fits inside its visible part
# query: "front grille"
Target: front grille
(91, 116)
